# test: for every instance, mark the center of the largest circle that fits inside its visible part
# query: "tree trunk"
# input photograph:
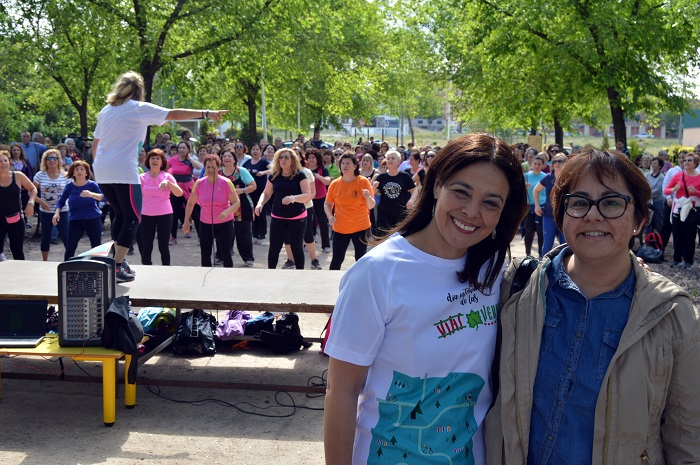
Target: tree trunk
(252, 122)
(618, 116)
(558, 132)
(410, 128)
(82, 114)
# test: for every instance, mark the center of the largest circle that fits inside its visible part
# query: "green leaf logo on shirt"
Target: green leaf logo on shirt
(474, 319)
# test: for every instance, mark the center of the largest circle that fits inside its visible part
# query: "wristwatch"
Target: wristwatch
(31, 202)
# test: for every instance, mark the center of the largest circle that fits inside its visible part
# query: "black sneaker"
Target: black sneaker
(315, 265)
(675, 264)
(123, 276)
(288, 265)
(127, 268)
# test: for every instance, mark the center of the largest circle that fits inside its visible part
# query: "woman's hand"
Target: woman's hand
(29, 211)
(410, 204)
(186, 227)
(692, 190)
(538, 210)
(331, 220)
(215, 115)
(164, 185)
(288, 199)
(366, 193)
(87, 194)
(258, 209)
(222, 215)
(56, 218)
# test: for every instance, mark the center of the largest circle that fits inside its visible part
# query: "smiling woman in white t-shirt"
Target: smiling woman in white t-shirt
(409, 373)
(118, 138)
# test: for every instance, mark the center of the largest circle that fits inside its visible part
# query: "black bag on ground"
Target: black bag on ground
(286, 336)
(195, 334)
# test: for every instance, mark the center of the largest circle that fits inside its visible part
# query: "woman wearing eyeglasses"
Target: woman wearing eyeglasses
(599, 357)
(291, 191)
(684, 187)
(51, 181)
(549, 227)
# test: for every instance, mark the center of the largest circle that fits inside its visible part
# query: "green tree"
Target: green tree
(627, 53)
(67, 42)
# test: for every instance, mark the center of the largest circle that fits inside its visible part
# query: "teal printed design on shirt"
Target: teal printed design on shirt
(427, 421)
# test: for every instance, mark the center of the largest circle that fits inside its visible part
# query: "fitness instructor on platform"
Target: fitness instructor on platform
(118, 138)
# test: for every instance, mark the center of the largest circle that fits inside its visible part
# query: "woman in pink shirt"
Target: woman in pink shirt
(157, 185)
(218, 200)
(684, 187)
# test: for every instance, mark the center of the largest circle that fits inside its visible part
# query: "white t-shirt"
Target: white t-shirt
(310, 176)
(51, 189)
(121, 131)
(429, 343)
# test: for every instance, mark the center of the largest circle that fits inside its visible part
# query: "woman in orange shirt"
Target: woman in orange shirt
(348, 202)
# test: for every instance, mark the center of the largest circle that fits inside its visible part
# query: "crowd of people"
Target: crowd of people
(308, 193)
(395, 177)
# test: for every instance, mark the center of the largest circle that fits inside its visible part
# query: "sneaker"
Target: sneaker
(173, 241)
(315, 265)
(288, 265)
(123, 276)
(262, 242)
(125, 265)
(256, 241)
(248, 264)
(2, 257)
(130, 252)
(326, 250)
(188, 235)
(675, 264)
(688, 266)
(218, 261)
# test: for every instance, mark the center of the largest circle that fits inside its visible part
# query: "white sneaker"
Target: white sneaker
(262, 242)
(2, 257)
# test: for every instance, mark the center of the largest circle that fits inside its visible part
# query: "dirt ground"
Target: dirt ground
(50, 422)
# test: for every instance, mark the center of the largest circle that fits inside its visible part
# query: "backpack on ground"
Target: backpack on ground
(286, 336)
(653, 240)
(195, 334)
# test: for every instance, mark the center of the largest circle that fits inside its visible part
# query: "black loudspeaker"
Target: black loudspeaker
(86, 288)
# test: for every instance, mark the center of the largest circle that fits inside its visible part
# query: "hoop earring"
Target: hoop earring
(493, 234)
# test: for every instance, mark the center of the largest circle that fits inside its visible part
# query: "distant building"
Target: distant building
(691, 128)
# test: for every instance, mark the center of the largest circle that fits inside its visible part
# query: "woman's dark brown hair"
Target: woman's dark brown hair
(156, 153)
(452, 158)
(604, 166)
(71, 169)
(348, 155)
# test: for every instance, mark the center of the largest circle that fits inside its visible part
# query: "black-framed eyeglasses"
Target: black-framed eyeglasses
(609, 206)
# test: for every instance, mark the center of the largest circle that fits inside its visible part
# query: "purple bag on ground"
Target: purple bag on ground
(232, 324)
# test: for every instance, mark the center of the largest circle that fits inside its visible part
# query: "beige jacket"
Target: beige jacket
(648, 410)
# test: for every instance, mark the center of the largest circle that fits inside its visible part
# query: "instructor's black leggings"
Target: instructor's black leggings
(125, 200)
